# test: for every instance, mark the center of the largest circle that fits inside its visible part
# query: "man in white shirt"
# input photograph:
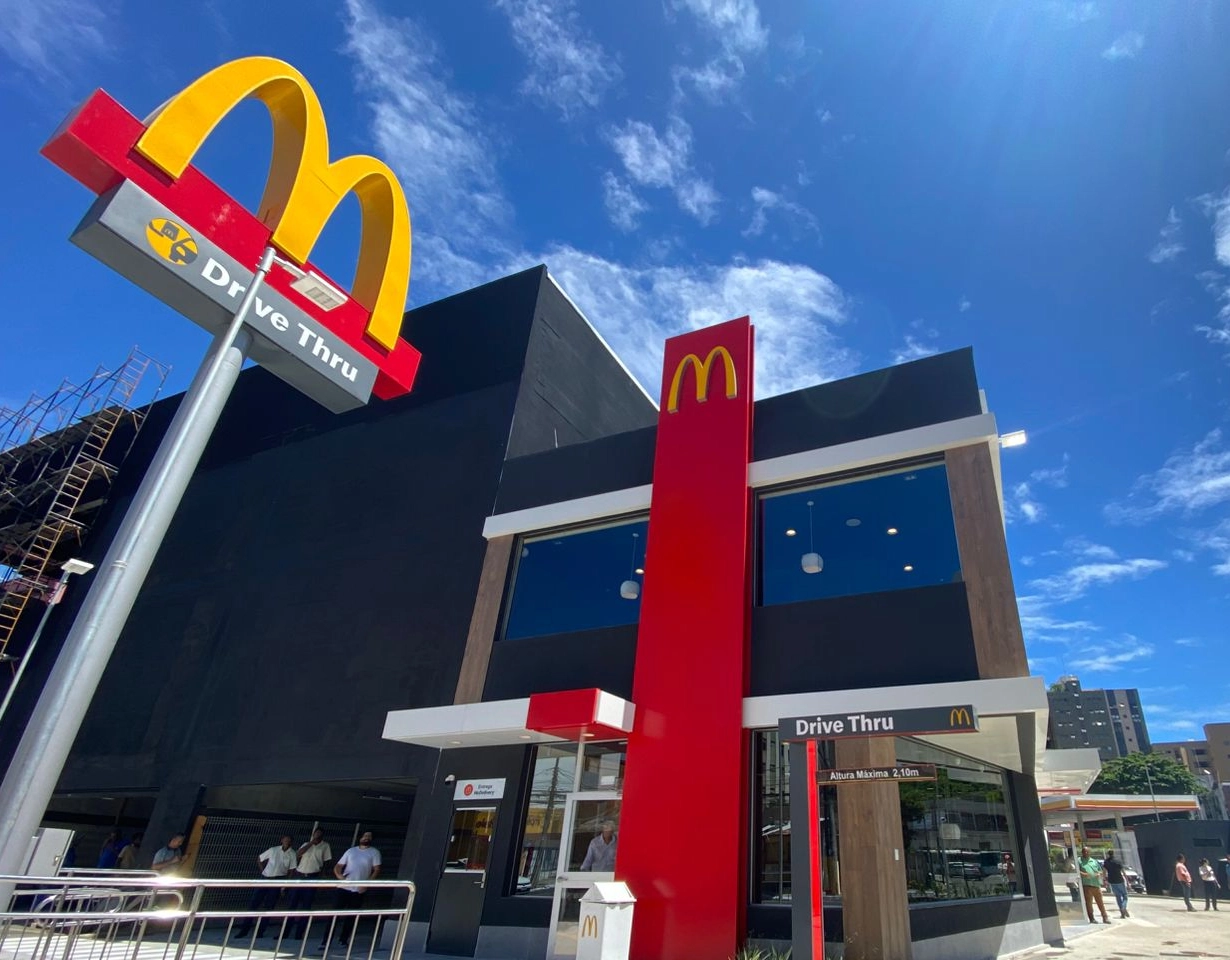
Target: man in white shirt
(356, 864)
(276, 863)
(313, 856)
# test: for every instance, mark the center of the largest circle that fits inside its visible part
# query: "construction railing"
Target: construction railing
(130, 915)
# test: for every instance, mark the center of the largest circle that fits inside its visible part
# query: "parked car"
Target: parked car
(1134, 883)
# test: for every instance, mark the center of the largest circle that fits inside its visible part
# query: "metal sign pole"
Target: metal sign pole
(49, 736)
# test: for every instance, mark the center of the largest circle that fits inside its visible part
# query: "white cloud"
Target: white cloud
(796, 311)
(434, 140)
(654, 160)
(50, 37)
(1083, 12)
(1082, 548)
(1125, 47)
(1219, 209)
(568, 69)
(1183, 556)
(1052, 476)
(714, 81)
(1022, 505)
(1040, 625)
(766, 200)
(1168, 244)
(913, 349)
(964, 305)
(736, 23)
(1216, 540)
(1216, 283)
(623, 206)
(825, 115)
(1187, 483)
(1076, 581)
(1187, 642)
(1115, 657)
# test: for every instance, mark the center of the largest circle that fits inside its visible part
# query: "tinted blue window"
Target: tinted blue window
(577, 581)
(889, 532)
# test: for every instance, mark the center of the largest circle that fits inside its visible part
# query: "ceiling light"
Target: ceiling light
(1016, 438)
(853, 522)
(908, 567)
(455, 743)
(812, 563)
(791, 532)
(629, 589)
(892, 531)
(588, 735)
(526, 736)
(641, 571)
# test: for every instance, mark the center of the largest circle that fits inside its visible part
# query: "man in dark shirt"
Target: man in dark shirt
(1117, 882)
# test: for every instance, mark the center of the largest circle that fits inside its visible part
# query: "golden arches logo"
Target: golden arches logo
(589, 926)
(304, 187)
(171, 241)
(959, 717)
(703, 369)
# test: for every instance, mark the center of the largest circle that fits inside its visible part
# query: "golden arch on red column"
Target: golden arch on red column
(703, 369)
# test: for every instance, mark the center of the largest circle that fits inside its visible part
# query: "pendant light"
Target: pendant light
(812, 562)
(630, 589)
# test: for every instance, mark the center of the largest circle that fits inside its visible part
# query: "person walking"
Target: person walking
(1208, 880)
(128, 853)
(1091, 884)
(276, 863)
(313, 856)
(1118, 884)
(1184, 879)
(359, 863)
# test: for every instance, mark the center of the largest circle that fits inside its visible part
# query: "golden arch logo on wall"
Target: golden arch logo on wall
(702, 369)
(304, 187)
(959, 718)
(171, 241)
(589, 927)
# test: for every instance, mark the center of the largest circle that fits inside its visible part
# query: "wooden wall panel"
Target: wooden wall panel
(993, 612)
(485, 620)
(875, 905)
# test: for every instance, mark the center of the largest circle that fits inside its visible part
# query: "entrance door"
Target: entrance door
(584, 818)
(463, 883)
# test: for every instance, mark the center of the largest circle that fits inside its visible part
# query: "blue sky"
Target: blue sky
(1048, 181)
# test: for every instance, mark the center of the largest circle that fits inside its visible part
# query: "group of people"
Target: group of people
(119, 853)
(1208, 879)
(1094, 873)
(313, 860)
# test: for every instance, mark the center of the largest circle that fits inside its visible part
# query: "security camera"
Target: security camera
(450, 779)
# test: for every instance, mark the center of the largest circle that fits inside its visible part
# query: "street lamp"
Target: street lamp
(70, 568)
(1148, 776)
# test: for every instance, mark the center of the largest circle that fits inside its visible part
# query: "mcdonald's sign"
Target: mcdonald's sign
(164, 225)
(702, 368)
(959, 718)
(589, 927)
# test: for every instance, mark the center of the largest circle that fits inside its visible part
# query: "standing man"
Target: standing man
(600, 856)
(128, 854)
(167, 860)
(1091, 884)
(313, 856)
(1184, 880)
(1118, 884)
(109, 856)
(357, 864)
(1007, 870)
(276, 863)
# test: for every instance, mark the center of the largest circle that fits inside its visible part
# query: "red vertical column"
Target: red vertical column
(681, 825)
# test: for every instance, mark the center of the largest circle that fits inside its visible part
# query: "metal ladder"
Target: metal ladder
(85, 464)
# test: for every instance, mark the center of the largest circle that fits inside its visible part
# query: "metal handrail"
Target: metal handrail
(90, 914)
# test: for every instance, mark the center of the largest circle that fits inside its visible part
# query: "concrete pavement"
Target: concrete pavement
(1158, 927)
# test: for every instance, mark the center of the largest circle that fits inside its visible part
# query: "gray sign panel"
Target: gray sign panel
(136, 236)
(961, 718)
(905, 771)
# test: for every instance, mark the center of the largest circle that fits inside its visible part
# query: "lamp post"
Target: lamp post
(1152, 795)
(70, 568)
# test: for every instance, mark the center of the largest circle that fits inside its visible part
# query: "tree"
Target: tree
(1128, 775)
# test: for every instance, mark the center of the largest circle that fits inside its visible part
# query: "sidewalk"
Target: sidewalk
(1158, 927)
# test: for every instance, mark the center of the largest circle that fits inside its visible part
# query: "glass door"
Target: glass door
(463, 881)
(590, 839)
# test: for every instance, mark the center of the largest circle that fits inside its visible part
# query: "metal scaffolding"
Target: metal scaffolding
(59, 454)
